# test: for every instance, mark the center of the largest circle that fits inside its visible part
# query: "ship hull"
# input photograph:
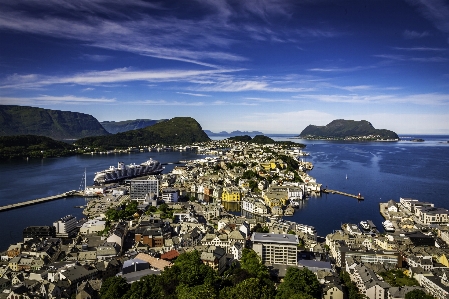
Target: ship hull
(122, 172)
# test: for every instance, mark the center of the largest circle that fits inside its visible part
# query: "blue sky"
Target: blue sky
(273, 66)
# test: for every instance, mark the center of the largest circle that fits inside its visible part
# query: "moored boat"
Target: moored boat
(364, 225)
(388, 226)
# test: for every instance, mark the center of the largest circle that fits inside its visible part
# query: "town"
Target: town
(227, 211)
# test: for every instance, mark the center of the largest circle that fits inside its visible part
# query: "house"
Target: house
(215, 257)
(392, 206)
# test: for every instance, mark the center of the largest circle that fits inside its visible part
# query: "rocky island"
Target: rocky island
(341, 129)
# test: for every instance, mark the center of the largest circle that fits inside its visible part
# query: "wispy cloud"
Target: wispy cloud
(105, 77)
(166, 34)
(436, 11)
(434, 99)
(94, 57)
(47, 99)
(420, 49)
(340, 69)
(409, 58)
(194, 94)
(270, 100)
(410, 34)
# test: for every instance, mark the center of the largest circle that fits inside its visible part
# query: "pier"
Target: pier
(359, 197)
(40, 200)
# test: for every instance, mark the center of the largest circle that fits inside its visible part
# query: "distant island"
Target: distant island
(341, 129)
(234, 133)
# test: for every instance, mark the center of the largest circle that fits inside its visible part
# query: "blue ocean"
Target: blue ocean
(379, 171)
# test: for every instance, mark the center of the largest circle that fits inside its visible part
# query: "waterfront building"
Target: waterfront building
(254, 205)
(65, 226)
(231, 194)
(432, 215)
(276, 248)
(31, 232)
(143, 190)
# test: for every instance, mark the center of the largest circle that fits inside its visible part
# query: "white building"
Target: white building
(170, 195)
(142, 190)
(278, 249)
(65, 226)
(93, 226)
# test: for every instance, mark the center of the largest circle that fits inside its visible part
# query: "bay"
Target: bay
(23, 180)
(378, 170)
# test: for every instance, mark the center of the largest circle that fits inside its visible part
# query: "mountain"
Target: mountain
(178, 130)
(114, 127)
(33, 146)
(340, 129)
(56, 124)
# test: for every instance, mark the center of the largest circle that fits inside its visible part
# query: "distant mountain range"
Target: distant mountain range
(59, 125)
(340, 128)
(114, 127)
(234, 133)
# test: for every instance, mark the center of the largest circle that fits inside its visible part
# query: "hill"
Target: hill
(114, 127)
(33, 146)
(56, 124)
(178, 130)
(344, 129)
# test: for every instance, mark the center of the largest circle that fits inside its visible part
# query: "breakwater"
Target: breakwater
(40, 200)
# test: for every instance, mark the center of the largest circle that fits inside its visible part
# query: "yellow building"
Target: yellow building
(231, 194)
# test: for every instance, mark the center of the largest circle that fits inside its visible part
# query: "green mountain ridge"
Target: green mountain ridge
(341, 128)
(33, 146)
(178, 130)
(114, 127)
(56, 124)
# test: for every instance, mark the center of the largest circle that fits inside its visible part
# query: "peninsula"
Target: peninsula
(341, 129)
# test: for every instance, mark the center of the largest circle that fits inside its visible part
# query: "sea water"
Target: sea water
(379, 171)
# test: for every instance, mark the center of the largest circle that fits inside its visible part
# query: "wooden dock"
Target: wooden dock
(40, 200)
(359, 197)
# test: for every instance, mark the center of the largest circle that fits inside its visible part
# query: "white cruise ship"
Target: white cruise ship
(123, 171)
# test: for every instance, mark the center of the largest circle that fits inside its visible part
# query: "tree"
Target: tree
(251, 262)
(251, 288)
(196, 292)
(299, 281)
(417, 294)
(147, 287)
(114, 288)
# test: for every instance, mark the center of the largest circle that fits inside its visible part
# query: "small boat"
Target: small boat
(388, 226)
(346, 176)
(364, 225)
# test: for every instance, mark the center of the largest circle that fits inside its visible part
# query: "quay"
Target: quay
(359, 197)
(40, 200)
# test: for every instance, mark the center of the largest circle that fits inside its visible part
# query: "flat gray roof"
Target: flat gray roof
(275, 238)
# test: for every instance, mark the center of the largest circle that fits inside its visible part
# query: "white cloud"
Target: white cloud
(434, 99)
(194, 94)
(105, 77)
(410, 34)
(47, 99)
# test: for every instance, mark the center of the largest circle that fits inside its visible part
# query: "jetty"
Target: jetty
(40, 200)
(359, 197)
